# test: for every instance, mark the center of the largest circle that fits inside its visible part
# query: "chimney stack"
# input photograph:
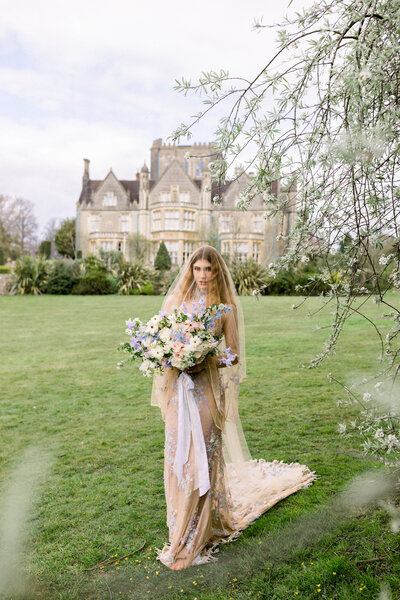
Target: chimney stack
(85, 178)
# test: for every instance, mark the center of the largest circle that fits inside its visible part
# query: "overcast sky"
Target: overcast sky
(94, 79)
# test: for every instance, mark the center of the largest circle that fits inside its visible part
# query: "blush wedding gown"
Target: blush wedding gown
(240, 489)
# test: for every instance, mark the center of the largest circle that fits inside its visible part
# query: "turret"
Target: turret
(144, 178)
(155, 158)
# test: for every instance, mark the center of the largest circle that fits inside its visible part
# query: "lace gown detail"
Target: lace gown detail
(237, 496)
(241, 489)
(195, 522)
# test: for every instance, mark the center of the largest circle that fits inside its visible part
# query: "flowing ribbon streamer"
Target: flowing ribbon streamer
(189, 424)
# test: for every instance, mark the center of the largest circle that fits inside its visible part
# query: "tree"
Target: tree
(4, 243)
(49, 233)
(19, 226)
(64, 238)
(163, 259)
(139, 247)
(326, 110)
(45, 249)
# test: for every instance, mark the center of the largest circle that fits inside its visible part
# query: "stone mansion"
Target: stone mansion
(173, 202)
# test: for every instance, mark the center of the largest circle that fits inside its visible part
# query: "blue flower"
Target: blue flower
(228, 359)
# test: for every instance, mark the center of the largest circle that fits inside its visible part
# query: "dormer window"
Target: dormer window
(110, 199)
(165, 197)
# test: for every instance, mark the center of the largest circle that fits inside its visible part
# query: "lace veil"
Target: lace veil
(224, 381)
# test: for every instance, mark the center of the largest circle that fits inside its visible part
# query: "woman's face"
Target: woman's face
(202, 273)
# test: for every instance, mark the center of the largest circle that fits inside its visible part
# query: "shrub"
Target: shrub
(5, 269)
(29, 276)
(45, 249)
(167, 280)
(248, 276)
(131, 277)
(2, 257)
(92, 263)
(297, 282)
(62, 277)
(94, 282)
(114, 286)
(163, 259)
(145, 290)
(111, 259)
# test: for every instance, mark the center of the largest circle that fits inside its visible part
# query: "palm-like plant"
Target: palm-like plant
(29, 276)
(248, 276)
(131, 276)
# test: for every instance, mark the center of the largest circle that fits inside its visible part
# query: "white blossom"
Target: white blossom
(392, 441)
(384, 260)
(364, 75)
(366, 397)
(379, 434)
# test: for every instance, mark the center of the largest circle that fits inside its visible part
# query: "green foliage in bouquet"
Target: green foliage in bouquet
(29, 276)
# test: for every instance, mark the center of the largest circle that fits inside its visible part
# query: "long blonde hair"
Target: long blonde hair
(218, 290)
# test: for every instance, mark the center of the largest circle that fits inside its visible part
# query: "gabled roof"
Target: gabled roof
(88, 189)
(91, 186)
(175, 164)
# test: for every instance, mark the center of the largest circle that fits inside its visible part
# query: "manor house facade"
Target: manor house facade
(173, 202)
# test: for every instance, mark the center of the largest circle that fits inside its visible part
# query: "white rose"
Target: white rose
(164, 334)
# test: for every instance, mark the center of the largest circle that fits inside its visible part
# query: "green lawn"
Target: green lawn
(104, 495)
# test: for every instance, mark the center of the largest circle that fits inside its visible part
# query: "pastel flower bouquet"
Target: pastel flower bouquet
(181, 339)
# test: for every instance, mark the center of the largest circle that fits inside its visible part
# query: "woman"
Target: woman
(216, 490)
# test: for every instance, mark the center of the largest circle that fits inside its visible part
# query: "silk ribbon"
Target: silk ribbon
(189, 425)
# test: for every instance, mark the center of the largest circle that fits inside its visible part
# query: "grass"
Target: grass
(104, 496)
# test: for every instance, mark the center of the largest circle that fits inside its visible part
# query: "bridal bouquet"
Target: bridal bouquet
(180, 339)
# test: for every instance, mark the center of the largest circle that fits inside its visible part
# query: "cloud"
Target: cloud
(95, 79)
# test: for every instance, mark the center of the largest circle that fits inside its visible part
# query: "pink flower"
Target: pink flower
(177, 347)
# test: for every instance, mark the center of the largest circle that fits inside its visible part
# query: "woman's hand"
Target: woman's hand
(196, 368)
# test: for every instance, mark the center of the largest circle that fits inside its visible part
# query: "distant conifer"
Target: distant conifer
(163, 260)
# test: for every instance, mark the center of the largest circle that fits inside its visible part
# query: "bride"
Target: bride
(216, 490)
